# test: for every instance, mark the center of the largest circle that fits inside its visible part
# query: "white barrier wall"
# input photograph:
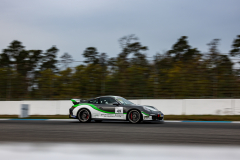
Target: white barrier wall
(194, 106)
(167, 106)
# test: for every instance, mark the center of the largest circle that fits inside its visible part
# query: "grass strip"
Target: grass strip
(166, 117)
(37, 116)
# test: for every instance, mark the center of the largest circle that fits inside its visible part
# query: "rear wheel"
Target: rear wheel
(134, 116)
(84, 115)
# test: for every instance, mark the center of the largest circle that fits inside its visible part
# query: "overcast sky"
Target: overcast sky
(73, 25)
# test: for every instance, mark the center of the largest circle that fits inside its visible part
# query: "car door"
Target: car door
(110, 111)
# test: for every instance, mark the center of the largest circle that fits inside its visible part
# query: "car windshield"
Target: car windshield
(123, 101)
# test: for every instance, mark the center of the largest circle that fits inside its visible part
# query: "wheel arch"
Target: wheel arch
(134, 109)
(83, 108)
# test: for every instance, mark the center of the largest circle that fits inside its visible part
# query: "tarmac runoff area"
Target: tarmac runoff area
(69, 139)
(70, 130)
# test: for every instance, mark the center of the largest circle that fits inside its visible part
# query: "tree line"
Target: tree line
(181, 72)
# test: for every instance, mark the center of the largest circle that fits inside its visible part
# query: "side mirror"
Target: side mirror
(115, 103)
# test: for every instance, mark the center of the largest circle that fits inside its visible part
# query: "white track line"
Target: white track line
(235, 122)
(172, 121)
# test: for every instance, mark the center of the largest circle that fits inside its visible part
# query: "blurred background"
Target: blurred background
(181, 72)
(135, 49)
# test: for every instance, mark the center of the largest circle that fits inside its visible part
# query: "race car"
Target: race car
(113, 108)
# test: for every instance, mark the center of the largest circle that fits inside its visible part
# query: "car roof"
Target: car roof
(107, 96)
(104, 96)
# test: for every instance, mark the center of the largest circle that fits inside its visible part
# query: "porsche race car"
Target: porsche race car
(113, 108)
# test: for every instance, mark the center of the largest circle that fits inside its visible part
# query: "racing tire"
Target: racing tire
(84, 116)
(98, 121)
(134, 116)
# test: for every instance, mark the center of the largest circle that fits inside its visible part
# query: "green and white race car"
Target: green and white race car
(113, 108)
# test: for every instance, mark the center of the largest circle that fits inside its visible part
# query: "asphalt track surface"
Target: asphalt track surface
(120, 132)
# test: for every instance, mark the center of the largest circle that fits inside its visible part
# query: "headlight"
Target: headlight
(149, 108)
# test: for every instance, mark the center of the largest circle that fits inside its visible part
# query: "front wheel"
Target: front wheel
(134, 116)
(84, 115)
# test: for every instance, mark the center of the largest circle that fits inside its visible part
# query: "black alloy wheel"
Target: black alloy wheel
(84, 116)
(134, 116)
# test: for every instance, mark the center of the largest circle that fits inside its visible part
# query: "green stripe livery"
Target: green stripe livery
(145, 113)
(94, 107)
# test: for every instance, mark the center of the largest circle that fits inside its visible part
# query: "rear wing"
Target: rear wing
(77, 101)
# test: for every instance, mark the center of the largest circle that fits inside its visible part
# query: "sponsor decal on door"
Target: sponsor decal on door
(119, 110)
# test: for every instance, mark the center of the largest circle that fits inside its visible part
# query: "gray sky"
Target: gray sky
(73, 25)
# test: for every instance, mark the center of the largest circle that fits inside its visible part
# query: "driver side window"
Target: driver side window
(107, 100)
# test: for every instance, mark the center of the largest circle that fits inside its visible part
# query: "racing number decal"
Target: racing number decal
(119, 110)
